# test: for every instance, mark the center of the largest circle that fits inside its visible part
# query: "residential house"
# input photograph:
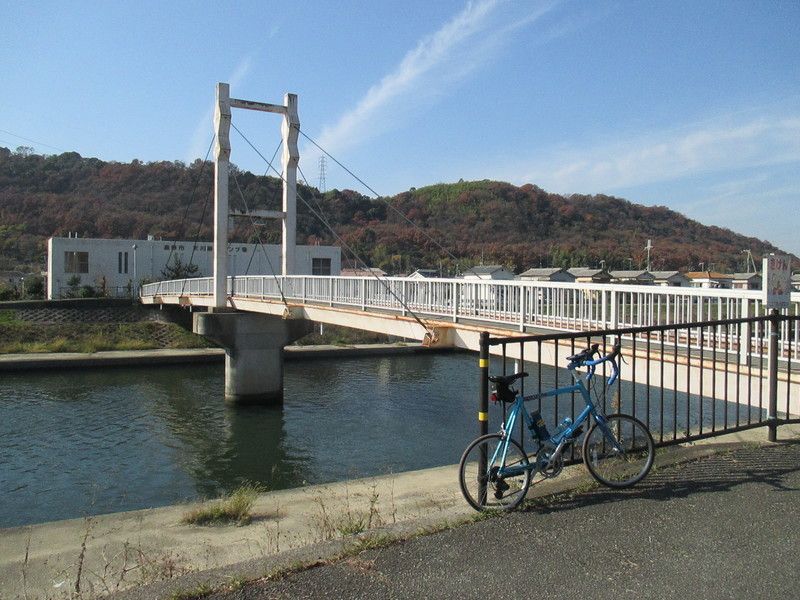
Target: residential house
(585, 275)
(546, 274)
(632, 277)
(670, 279)
(424, 274)
(488, 272)
(746, 281)
(710, 279)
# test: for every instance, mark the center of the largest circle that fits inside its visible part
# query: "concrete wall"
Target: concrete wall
(106, 269)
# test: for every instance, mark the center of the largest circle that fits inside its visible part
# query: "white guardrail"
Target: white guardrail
(538, 304)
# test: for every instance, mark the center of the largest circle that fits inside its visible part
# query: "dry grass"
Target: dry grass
(234, 508)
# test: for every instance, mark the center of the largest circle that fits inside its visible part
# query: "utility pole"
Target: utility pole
(748, 260)
(648, 248)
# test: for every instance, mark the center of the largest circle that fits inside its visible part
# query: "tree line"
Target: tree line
(475, 221)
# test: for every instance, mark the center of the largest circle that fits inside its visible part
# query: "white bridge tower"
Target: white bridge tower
(290, 129)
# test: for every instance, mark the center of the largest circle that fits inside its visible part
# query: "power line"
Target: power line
(389, 204)
(31, 141)
(324, 221)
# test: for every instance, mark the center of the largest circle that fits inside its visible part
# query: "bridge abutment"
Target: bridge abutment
(253, 352)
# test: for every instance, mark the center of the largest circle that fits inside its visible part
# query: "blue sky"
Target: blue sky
(691, 105)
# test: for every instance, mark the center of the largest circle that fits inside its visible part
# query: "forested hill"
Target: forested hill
(495, 222)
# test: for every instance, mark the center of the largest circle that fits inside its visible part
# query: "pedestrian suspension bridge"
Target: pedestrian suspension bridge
(678, 338)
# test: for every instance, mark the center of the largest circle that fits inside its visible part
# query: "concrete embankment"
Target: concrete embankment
(69, 360)
(108, 553)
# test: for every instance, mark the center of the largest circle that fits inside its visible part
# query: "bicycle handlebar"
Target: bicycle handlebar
(586, 359)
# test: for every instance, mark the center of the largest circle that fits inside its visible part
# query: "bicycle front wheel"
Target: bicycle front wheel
(502, 484)
(619, 452)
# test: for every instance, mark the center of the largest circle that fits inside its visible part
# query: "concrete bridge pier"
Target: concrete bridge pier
(253, 352)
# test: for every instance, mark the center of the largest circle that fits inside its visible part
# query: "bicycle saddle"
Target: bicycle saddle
(507, 379)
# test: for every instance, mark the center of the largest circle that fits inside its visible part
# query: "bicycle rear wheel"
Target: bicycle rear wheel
(489, 489)
(620, 452)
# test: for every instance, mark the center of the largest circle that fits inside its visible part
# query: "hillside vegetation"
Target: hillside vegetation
(489, 221)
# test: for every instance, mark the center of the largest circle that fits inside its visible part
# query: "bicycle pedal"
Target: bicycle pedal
(501, 487)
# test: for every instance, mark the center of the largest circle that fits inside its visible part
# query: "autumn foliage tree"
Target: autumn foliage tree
(492, 221)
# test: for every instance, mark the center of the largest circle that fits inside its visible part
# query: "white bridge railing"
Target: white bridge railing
(547, 305)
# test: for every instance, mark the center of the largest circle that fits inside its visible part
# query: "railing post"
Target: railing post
(614, 317)
(772, 413)
(403, 295)
(455, 302)
(521, 289)
(483, 410)
(744, 336)
(364, 294)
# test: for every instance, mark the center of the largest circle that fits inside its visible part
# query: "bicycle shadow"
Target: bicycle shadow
(769, 465)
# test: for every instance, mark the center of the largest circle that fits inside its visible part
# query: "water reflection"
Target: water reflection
(74, 443)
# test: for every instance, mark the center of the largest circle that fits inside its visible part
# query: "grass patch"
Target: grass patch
(200, 591)
(19, 337)
(234, 508)
(8, 315)
(343, 336)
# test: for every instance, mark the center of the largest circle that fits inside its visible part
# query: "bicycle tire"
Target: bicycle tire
(495, 497)
(610, 467)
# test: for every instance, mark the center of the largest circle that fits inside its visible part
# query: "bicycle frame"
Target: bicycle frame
(558, 440)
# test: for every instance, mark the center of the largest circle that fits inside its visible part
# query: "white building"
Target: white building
(488, 272)
(424, 274)
(115, 266)
(710, 279)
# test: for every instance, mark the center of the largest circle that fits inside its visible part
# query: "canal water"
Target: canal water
(82, 442)
(75, 443)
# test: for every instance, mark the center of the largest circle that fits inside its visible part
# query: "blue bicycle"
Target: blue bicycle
(618, 450)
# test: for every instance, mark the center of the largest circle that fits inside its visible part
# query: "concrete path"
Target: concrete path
(720, 527)
(113, 552)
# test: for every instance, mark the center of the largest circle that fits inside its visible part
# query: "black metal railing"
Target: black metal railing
(685, 382)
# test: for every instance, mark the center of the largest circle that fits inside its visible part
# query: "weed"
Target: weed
(82, 556)
(234, 508)
(371, 542)
(200, 591)
(8, 315)
(489, 513)
(237, 583)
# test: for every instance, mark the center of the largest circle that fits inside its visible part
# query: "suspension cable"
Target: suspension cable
(250, 262)
(383, 283)
(260, 243)
(389, 204)
(194, 243)
(191, 199)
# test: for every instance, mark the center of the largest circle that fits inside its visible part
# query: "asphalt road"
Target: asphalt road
(720, 527)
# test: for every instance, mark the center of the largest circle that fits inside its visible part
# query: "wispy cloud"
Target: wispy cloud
(204, 130)
(451, 53)
(723, 144)
(736, 171)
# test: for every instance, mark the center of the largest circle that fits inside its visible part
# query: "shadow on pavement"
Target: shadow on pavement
(769, 465)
